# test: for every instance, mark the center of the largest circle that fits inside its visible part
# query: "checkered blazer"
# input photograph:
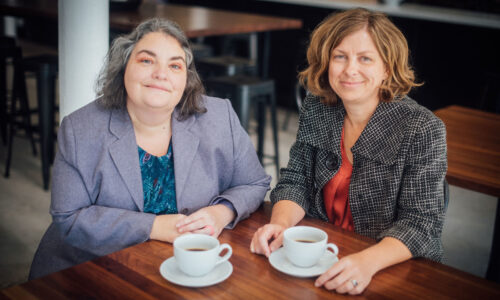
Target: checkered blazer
(399, 167)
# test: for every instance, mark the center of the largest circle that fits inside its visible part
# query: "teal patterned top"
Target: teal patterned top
(158, 182)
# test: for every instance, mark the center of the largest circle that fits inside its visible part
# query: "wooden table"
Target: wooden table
(473, 139)
(195, 21)
(133, 273)
(200, 21)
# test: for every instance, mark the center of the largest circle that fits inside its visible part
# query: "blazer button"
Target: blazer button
(184, 211)
(331, 162)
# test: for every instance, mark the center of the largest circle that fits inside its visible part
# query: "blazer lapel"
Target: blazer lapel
(125, 155)
(184, 145)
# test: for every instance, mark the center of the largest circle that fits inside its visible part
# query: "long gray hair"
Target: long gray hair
(110, 83)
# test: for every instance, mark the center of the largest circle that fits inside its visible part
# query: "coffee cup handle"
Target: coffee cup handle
(227, 255)
(333, 247)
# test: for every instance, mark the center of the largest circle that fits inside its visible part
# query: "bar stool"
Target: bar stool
(19, 113)
(226, 65)
(245, 92)
(230, 63)
(7, 45)
(201, 50)
(45, 68)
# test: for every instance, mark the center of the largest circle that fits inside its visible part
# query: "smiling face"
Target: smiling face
(356, 69)
(156, 73)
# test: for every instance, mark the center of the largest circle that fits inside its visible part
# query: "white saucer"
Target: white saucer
(278, 260)
(172, 273)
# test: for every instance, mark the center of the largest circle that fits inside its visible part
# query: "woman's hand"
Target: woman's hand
(164, 227)
(208, 220)
(269, 237)
(351, 274)
(261, 239)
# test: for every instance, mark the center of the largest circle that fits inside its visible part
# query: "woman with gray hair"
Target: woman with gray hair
(151, 158)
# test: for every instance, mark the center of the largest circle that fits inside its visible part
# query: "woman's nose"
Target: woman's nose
(351, 67)
(160, 72)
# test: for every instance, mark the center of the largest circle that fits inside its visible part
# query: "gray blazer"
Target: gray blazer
(97, 196)
(399, 167)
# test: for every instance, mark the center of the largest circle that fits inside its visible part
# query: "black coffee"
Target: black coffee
(305, 241)
(196, 249)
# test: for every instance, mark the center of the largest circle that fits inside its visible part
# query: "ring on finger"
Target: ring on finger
(354, 282)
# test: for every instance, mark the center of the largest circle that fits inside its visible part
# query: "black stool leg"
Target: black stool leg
(261, 127)
(275, 134)
(45, 88)
(10, 135)
(21, 94)
(3, 100)
(242, 107)
(10, 140)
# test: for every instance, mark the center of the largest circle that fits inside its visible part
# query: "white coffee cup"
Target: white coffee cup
(198, 254)
(305, 245)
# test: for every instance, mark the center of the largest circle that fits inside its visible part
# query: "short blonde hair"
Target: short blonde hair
(389, 41)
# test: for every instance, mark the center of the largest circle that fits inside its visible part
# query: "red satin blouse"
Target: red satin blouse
(336, 193)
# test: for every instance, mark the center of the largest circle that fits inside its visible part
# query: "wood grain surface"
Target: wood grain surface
(195, 21)
(473, 139)
(133, 273)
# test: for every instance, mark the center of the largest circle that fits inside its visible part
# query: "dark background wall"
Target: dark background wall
(459, 64)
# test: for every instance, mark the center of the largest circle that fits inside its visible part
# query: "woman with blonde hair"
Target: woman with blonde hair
(367, 157)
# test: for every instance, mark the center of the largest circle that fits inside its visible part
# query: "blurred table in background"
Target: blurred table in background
(473, 140)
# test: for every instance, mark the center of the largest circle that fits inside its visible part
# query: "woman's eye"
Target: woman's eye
(176, 67)
(365, 59)
(339, 56)
(146, 61)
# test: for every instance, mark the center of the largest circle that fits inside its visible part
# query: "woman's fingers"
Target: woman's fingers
(191, 223)
(358, 288)
(256, 246)
(263, 242)
(331, 275)
(207, 229)
(278, 241)
(260, 241)
(346, 276)
(188, 219)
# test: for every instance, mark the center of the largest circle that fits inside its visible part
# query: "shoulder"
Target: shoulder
(425, 132)
(218, 119)
(218, 111)
(215, 106)
(312, 105)
(319, 122)
(88, 125)
(418, 117)
(89, 116)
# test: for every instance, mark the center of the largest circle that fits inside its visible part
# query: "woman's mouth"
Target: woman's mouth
(158, 87)
(351, 83)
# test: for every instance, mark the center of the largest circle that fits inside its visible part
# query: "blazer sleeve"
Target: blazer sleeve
(80, 221)
(420, 208)
(249, 182)
(296, 181)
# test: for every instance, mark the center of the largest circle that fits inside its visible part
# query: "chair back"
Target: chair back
(446, 189)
